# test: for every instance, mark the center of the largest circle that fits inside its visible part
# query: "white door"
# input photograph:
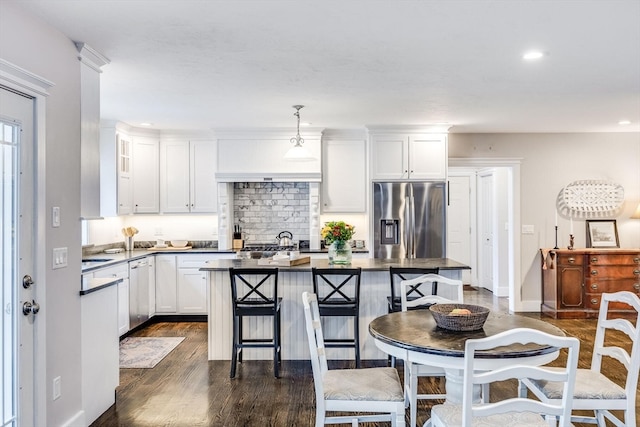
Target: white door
(17, 166)
(486, 228)
(459, 222)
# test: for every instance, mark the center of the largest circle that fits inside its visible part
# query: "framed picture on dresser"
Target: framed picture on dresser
(602, 233)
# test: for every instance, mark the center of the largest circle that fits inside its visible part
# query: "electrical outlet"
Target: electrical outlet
(57, 388)
(527, 229)
(158, 231)
(59, 259)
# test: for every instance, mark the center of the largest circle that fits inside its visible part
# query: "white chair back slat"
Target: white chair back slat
(405, 286)
(560, 409)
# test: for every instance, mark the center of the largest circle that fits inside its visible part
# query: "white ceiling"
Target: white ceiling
(243, 63)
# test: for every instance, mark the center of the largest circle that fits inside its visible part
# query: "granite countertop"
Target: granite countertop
(140, 253)
(366, 264)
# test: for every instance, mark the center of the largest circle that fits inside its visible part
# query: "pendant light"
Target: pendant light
(298, 153)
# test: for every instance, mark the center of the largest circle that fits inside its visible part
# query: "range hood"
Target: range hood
(259, 156)
(268, 177)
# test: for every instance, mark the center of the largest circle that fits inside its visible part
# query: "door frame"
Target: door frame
(514, 276)
(21, 80)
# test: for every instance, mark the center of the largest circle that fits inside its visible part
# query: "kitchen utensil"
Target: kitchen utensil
(284, 238)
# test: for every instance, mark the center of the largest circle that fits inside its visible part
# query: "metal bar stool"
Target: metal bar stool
(397, 275)
(254, 292)
(338, 291)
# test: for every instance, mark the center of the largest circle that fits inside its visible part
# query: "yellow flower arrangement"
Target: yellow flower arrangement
(334, 231)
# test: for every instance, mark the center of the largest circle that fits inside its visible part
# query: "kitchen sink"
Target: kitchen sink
(89, 262)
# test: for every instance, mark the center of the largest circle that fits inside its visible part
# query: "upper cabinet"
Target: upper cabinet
(259, 156)
(146, 167)
(129, 171)
(187, 177)
(410, 156)
(344, 174)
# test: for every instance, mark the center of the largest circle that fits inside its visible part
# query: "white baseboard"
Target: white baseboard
(78, 420)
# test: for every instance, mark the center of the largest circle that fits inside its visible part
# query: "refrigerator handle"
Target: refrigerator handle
(407, 227)
(412, 224)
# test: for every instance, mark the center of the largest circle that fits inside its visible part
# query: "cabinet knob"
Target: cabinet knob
(636, 285)
(594, 260)
(594, 286)
(571, 260)
(636, 260)
(594, 301)
(594, 272)
(636, 272)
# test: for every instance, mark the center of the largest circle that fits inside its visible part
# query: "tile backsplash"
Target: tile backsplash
(264, 209)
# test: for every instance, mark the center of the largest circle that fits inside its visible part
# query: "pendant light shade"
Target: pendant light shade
(636, 214)
(298, 153)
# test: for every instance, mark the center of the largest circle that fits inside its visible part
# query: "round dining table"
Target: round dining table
(414, 337)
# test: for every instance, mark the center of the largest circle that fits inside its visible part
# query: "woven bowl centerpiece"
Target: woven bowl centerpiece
(470, 320)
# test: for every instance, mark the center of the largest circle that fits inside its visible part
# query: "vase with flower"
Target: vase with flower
(337, 234)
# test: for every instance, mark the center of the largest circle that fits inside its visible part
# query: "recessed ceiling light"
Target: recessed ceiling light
(146, 124)
(624, 122)
(532, 55)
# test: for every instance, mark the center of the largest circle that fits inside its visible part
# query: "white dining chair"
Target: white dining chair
(414, 370)
(512, 411)
(594, 391)
(375, 391)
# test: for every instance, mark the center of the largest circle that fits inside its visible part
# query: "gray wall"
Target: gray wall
(550, 162)
(34, 46)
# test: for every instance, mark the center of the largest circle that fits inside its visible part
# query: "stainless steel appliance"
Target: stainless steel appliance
(409, 219)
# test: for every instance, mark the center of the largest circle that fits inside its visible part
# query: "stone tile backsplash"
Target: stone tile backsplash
(264, 209)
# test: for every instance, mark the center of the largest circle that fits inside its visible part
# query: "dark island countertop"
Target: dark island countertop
(367, 264)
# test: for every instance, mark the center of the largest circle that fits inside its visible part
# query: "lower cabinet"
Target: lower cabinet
(120, 271)
(166, 285)
(192, 291)
(181, 288)
(573, 281)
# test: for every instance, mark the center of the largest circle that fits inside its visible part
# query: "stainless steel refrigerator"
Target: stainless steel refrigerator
(409, 219)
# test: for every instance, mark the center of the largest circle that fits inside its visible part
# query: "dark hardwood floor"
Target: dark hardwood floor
(185, 389)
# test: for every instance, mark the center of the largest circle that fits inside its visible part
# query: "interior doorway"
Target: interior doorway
(493, 214)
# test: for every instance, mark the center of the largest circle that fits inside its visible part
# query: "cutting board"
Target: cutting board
(169, 248)
(285, 262)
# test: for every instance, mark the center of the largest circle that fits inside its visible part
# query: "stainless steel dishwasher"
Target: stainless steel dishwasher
(138, 292)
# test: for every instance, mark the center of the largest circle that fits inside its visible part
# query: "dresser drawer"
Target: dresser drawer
(570, 259)
(593, 303)
(610, 286)
(611, 259)
(612, 272)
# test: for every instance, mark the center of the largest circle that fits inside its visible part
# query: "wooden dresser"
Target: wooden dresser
(573, 280)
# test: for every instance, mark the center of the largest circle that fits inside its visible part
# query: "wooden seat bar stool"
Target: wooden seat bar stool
(254, 292)
(338, 293)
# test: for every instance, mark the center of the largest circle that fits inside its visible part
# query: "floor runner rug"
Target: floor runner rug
(146, 352)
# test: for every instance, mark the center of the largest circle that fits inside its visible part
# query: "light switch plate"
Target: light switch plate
(55, 216)
(59, 259)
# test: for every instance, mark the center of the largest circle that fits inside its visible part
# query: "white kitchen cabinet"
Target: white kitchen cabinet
(146, 177)
(187, 177)
(344, 175)
(120, 271)
(192, 291)
(192, 284)
(99, 351)
(124, 175)
(409, 156)
(166, 285)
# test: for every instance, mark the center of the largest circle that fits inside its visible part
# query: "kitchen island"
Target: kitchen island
(292, 282)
